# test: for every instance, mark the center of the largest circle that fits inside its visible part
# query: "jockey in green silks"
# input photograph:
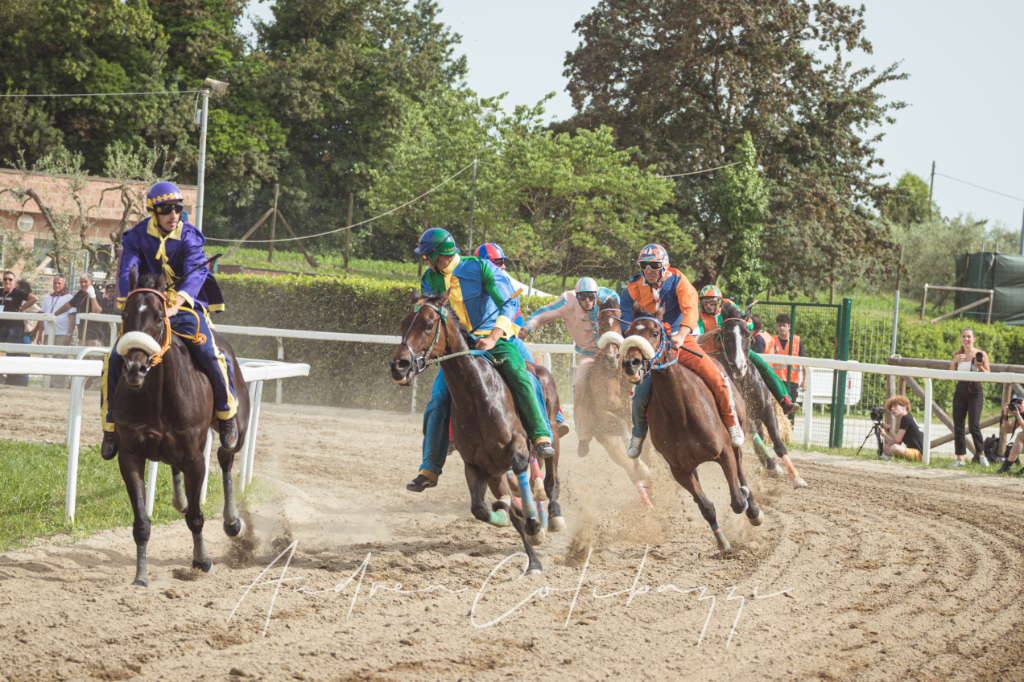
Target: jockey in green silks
(711, 302)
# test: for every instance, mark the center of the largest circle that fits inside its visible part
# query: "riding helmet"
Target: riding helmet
(491, 252)
(163, 193)
(655, 253)
(437, 239)
(586, 284)
(711, 291)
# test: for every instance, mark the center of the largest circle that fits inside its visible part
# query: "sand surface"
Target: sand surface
(888, 574)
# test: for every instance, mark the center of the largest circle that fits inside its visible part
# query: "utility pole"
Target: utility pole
(273, 225)
(210, 87)
(1022, 237)
(472, 205)
(931, 185)
(348, 232)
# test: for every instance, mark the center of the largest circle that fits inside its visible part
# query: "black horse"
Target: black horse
(163, 407)
(487, 432)
(735, 344)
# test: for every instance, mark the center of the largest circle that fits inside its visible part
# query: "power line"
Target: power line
(109, 94)
(348, 227)
(706, 170)
(986, 189)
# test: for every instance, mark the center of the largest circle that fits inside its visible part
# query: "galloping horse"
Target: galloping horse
(606, 396)
(163, 408)
(734, 341)
(487, 430)
(684, 421)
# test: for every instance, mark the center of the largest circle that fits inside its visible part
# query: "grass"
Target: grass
(33, 478)
(937, 461)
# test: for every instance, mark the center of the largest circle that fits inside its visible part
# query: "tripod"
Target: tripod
(876, 429)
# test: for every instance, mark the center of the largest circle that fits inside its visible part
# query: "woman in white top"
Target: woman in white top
(968, 397)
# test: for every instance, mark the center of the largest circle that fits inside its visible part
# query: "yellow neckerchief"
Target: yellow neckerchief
(161, 253)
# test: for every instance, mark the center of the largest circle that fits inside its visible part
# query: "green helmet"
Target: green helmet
(437, 240)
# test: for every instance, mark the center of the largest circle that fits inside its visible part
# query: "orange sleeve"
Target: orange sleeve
(688, 303)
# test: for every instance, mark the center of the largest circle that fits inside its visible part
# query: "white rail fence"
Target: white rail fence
(810, 364)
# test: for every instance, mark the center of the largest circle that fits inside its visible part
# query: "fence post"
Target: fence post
(151, 488)
(927, 430)
(206, 458)
(792, 335)
(280, 358)
(843, 351)
(808, 407)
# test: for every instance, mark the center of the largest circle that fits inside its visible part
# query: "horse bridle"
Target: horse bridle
(653, 365)
(165, 332)
(422, 362)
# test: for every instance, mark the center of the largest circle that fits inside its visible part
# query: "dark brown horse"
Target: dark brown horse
(606, 396)
(684, 421)
(487, 430)
(163, 408)
(734, 342)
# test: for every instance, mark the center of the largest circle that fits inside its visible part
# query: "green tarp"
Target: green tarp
(1002, 272)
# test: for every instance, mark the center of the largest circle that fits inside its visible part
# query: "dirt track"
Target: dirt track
(891, 574)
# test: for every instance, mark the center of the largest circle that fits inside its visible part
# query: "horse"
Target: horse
(684, 421)
(163, 408)
(487, 430)
(606, 397)
(734, 341)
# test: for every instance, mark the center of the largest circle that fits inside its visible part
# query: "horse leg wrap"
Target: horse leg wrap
(535, 468)
(732, 400)
(498, 518)
(542, 513)
(529, 508)
(761, 448)
(723, 544)
(643, 494)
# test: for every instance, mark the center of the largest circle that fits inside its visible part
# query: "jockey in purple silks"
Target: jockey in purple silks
(578, 310)
(166, 244)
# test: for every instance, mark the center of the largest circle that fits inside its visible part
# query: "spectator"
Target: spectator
(791, 375)
(1012, 418)
(33, 328)
(907, 441)
(51, 303)
(762, 341)
(14, 300)
(968, 399)
(86, 300)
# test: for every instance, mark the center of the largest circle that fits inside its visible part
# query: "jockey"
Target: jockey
(657, 284)
(711, 302)
(578, 310)
(165, 244)
(493, 253)
(482, 298)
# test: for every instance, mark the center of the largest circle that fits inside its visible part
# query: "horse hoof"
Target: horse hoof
(757, 520)
(556, 524)
(235, 530)
(141, 583)
(773, 472)
(205, 566)
(533, 571)
(799, 482)
(498, 518)
(182, 510)
(723, 544)
(536, 540)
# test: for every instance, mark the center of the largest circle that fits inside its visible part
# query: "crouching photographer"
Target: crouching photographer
(1012, 418)
(906, 441)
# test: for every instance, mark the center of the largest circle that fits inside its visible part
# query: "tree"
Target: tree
(742, 206)
(909, 203)
(683, 81)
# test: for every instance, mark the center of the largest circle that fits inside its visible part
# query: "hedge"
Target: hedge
(357, 375)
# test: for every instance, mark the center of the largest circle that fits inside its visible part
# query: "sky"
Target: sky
(965, 93)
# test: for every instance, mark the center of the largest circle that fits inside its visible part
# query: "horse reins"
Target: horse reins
(663, 345)
(165, 338)
(421, 362)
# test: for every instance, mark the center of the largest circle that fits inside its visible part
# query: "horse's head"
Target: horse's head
(145, 329)
(608, 337)
(735, 338)
(421, 332)
(644, 338)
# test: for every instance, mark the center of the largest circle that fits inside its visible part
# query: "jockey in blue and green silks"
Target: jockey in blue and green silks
(482, 298)
(166, 244)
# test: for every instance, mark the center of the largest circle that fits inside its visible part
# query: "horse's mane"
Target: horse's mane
(731, 311)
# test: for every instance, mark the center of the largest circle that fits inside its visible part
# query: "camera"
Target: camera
(1015, 402)
(877, 414)
(978, 357)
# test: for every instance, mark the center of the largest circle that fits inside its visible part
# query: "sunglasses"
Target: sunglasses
(499, 262)
(166, 209)
(650, 265)
(586, 296)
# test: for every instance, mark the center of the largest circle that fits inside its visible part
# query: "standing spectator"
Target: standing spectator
(33, 328)
(762, 342)
(86, 300)
(14, 300)
(968, 399)
(53, 302)
(907, 441)
(791, 375)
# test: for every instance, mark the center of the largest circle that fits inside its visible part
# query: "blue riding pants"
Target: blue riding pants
(193, 327)
(437, 418)
(641, 399)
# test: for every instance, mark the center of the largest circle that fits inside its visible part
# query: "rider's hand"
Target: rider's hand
(524, 331)
(173, 310)
(490, 341)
